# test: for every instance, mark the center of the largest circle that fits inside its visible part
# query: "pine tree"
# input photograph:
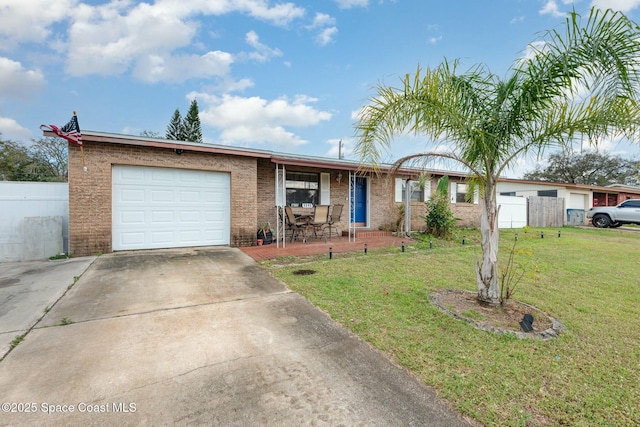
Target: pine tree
(175, 129)
(191, 124)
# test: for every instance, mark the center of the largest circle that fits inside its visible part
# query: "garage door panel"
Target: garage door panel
(188, 196)
(132, 217)
(131, 175)
(162, 216)
(162, 208)
(160, 196)
(212, 235)
(190, 177)
(135, 238)
(190, 236)
(160, 238)
(132, 196)
(162, 176)
(190, 217)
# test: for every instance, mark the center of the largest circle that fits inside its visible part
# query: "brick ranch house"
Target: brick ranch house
(147, 193)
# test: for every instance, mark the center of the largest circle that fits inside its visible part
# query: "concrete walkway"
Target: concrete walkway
(201, 337)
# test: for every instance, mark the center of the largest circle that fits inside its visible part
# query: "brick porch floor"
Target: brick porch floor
(318, 246)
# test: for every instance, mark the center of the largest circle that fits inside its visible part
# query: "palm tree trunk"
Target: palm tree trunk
(487, 268)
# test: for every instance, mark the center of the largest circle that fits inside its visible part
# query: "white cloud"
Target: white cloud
(114, 37)
(30, 21)
(621, 5)
(322, 20)
(262, 53)
(348, 4)
(533, 49)
(122, 35)
(107, 39)
(434, 40)
(551, 8)
(228, 85)
(326, 27)
(11, 130)
(17, 82)
(326, 36)
(279, 14)
(244, 120)
(156, 68)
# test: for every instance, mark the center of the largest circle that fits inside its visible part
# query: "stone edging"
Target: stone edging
(548, 334)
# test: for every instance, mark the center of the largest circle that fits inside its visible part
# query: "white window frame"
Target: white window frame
(399, 193)
(453, 193)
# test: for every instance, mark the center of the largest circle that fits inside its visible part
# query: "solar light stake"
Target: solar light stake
(365, 248)
(403, 246)
(464, 239)
(516, 237)
(558, 234)
(330, 252)
(542, 234)
(430, 244)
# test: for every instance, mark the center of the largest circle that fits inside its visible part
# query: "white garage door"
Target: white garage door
(168, 208)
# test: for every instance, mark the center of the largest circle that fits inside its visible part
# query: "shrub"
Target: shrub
(439, 219)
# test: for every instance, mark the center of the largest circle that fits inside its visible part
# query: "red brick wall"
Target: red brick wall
(90, 192)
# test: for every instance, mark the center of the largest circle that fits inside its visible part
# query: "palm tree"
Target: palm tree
(582, 82)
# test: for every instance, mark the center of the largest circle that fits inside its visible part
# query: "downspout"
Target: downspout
(352, 212)
(281, 195)
(407, 206)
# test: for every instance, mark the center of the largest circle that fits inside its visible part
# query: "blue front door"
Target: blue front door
(359, 201)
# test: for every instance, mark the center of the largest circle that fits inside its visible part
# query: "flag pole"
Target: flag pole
(84, 163)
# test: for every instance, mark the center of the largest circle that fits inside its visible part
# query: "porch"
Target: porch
(372, 240)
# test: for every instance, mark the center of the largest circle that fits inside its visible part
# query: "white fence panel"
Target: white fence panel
(513, 212)
(22, 200)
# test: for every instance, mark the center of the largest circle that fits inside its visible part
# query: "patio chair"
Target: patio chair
(320, 219)
(295, 225)
(334, 220)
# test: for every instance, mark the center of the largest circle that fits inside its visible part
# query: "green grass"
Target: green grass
(588, 278)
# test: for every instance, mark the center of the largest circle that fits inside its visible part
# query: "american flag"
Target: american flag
(70, 131)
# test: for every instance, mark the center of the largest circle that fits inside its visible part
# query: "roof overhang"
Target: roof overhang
(610, 189)
(275, 157)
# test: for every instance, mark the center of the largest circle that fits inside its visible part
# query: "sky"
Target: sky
(286, 76)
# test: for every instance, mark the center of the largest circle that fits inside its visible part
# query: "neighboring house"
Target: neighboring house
(614, 194)
(578, 198)
(146, 193)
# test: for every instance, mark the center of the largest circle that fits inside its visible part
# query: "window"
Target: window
(461, 193)
(458, 193)
(548, 193)
(630, 204)
(417, 194)
(508, 193)
(302, 188)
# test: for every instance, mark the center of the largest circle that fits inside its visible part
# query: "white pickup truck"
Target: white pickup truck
(627, 212)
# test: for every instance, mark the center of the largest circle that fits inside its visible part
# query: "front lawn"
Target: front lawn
(587, 278)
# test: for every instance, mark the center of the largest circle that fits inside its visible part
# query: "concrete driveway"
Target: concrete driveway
(28, 289)
(201, 336)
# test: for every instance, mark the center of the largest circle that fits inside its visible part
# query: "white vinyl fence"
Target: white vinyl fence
(513, 212)
(34, 220)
